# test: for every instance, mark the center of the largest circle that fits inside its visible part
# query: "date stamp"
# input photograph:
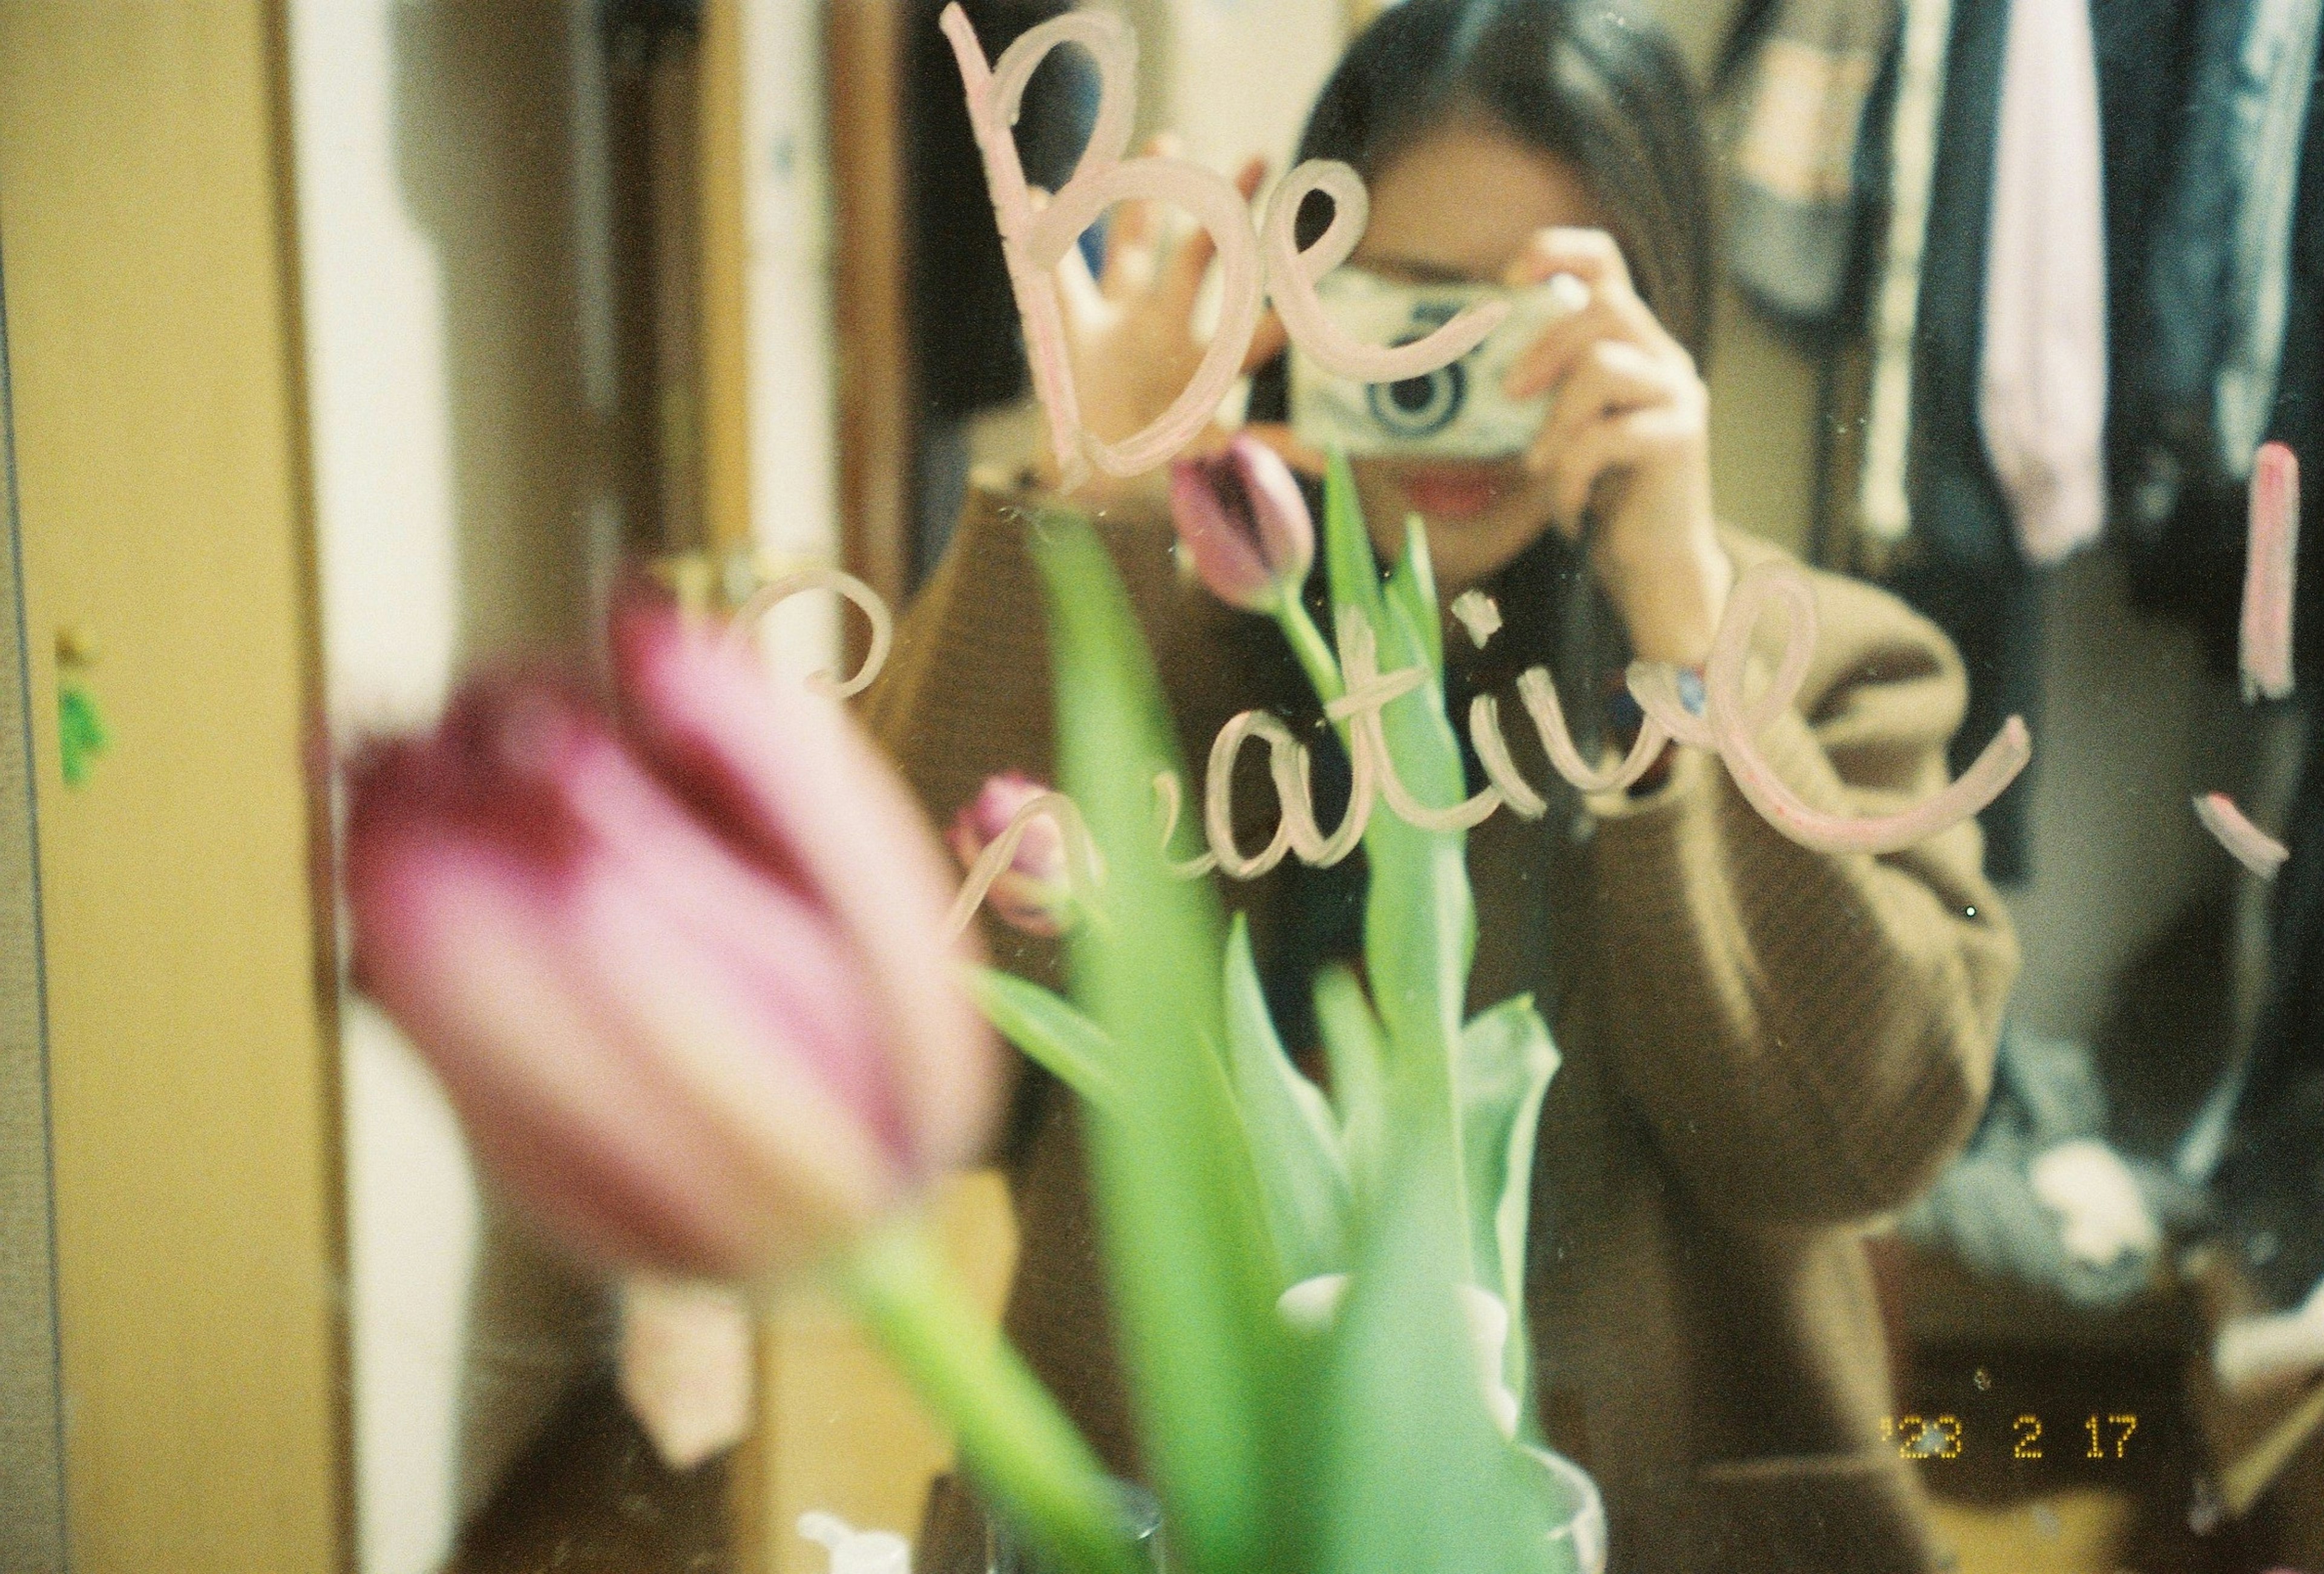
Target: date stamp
(1944, 1437)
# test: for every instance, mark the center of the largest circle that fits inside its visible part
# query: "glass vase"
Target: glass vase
(1581, 1532)
(1008, 1552)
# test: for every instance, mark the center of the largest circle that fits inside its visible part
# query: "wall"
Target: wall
(458, 366)
(1243, 73)
(2141, 935)
(161, 467)
(1763, 391)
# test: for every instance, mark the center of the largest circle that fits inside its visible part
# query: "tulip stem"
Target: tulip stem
(1012, 1437)
(1308, 645)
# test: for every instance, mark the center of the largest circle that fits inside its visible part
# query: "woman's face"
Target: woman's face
(1457, 208)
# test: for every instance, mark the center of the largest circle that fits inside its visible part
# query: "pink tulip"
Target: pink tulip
(683, 974)
(1244, 523)
(1035, 892)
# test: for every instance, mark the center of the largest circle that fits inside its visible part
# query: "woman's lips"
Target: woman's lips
(1452, 492)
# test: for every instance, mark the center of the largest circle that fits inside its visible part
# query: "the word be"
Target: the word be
(1035, 240)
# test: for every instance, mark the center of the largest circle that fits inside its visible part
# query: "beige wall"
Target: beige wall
(163, 494)
(1761, 390)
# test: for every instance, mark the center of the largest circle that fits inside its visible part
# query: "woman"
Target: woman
(1766, 1048)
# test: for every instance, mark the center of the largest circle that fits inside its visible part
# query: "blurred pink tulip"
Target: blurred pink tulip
(1035, 892)
(682, 975)
(1244, 523)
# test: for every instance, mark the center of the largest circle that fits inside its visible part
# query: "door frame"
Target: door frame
(31, 1410)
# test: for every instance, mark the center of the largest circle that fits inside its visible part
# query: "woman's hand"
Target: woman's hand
(1627, 440)
(1131, 331)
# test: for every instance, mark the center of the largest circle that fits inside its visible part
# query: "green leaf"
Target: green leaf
(1303, 1174)
(1421, 1483)
(1048, 1028)
(1420, 921)
(1420, 737)
(1419, 916)
(1353, 571)
(1191, 1266)
(1507, 1062)
(1356, 1045)
(1022, 1452)
(1077, 1051)
(1412, 585)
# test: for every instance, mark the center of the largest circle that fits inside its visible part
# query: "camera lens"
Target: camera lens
(1419, 406)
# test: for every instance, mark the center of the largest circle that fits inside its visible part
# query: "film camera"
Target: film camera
(1457, 411)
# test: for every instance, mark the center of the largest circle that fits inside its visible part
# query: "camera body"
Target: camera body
(1457, 411)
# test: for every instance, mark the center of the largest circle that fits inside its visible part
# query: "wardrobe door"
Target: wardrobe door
(169, 612)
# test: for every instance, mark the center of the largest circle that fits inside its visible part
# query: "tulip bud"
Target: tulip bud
(1244, 523)
(682, 977)
(1035, 893)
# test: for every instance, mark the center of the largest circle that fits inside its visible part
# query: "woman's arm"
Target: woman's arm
(1811, 1035)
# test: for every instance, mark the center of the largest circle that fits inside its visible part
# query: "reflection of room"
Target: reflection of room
(391, 353)
(538, 290)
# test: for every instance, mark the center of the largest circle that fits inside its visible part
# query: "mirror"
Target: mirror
(1920, 1196)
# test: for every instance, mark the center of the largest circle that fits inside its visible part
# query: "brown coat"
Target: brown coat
(1765, 1048)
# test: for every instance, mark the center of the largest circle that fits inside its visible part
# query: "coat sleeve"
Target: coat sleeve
(967, 690)
(1811, 1035)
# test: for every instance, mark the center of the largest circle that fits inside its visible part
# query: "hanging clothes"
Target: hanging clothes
(2268, 1183)
(1925, 513)
(2042, 384)
(1923, 91)
(1985, 445)
(2223, 237)
(2216, 359)
(1996, 297)
(1793, 201)
(2147, 55)
(2276, 73)
(1933, 509)
(1919, 507)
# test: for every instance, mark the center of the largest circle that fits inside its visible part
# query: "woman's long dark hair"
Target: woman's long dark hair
(1598, 85)
(1595, 83)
